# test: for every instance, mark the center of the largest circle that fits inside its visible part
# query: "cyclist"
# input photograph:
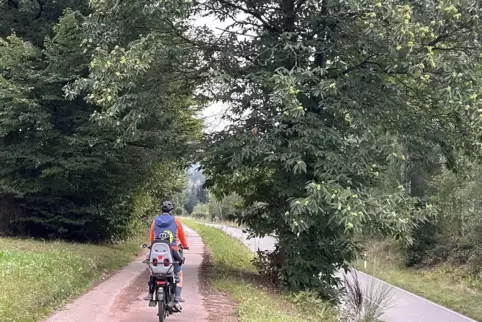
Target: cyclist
(166, 223)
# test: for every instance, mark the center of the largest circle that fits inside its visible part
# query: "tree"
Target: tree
(324, 98)
(201, 210)
(165, 182)
(76, 178)
(33, 20)
(455, 234)
(190, 199)
(225, 208)
(195, 192)
(202, 194)
(58, 164)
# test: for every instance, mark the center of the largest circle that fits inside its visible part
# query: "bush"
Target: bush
(456, 234)
(425, 239)
(201, 210)
(269, 265)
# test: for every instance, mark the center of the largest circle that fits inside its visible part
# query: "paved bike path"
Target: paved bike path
(405, 306)
(119, 298)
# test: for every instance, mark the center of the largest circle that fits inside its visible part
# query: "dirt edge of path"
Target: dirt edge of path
(220, 307)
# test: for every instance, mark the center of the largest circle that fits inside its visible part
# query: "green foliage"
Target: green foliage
(443, 284)
(53, 272)
(195, 191)
(233, 275)
(455, 236)
(225, 208)
(201, 210)
(165, 182)
(202, 194)
(33, 20)
(57, 162)
(190, 199)
(76, 178)
(269, 265)
(325, 98)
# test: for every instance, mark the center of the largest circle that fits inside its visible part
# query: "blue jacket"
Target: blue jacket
(165, 223)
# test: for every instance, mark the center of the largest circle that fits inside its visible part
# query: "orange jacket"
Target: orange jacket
(180, 236)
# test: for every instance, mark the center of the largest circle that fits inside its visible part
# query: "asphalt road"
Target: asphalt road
(403, 307)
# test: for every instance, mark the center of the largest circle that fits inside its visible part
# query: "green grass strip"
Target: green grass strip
(234, 275)
(38, 277)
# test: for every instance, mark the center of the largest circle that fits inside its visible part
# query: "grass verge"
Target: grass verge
(235, 275)
(444, 284)
(37, 277)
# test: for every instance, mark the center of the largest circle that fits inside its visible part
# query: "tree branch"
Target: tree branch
(298, 5)
(40, 10)
(456, 48)
(360, 65)
(440, 38)
(13, 3)
(255, 14)
(445, 35)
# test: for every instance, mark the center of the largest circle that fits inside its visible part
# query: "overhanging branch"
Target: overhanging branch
(255, 14)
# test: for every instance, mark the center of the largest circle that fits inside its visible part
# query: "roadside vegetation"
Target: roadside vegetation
(345, 119)
(37, 277)
(443, 261)
(234, 274)
(448, 285)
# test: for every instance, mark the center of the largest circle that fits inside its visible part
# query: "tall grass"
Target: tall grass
(37, 277)
(365, 303)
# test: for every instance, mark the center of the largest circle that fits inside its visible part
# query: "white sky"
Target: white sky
(212, 116)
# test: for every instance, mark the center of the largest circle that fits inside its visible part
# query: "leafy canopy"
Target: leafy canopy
(324, 98)
(76, 175)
